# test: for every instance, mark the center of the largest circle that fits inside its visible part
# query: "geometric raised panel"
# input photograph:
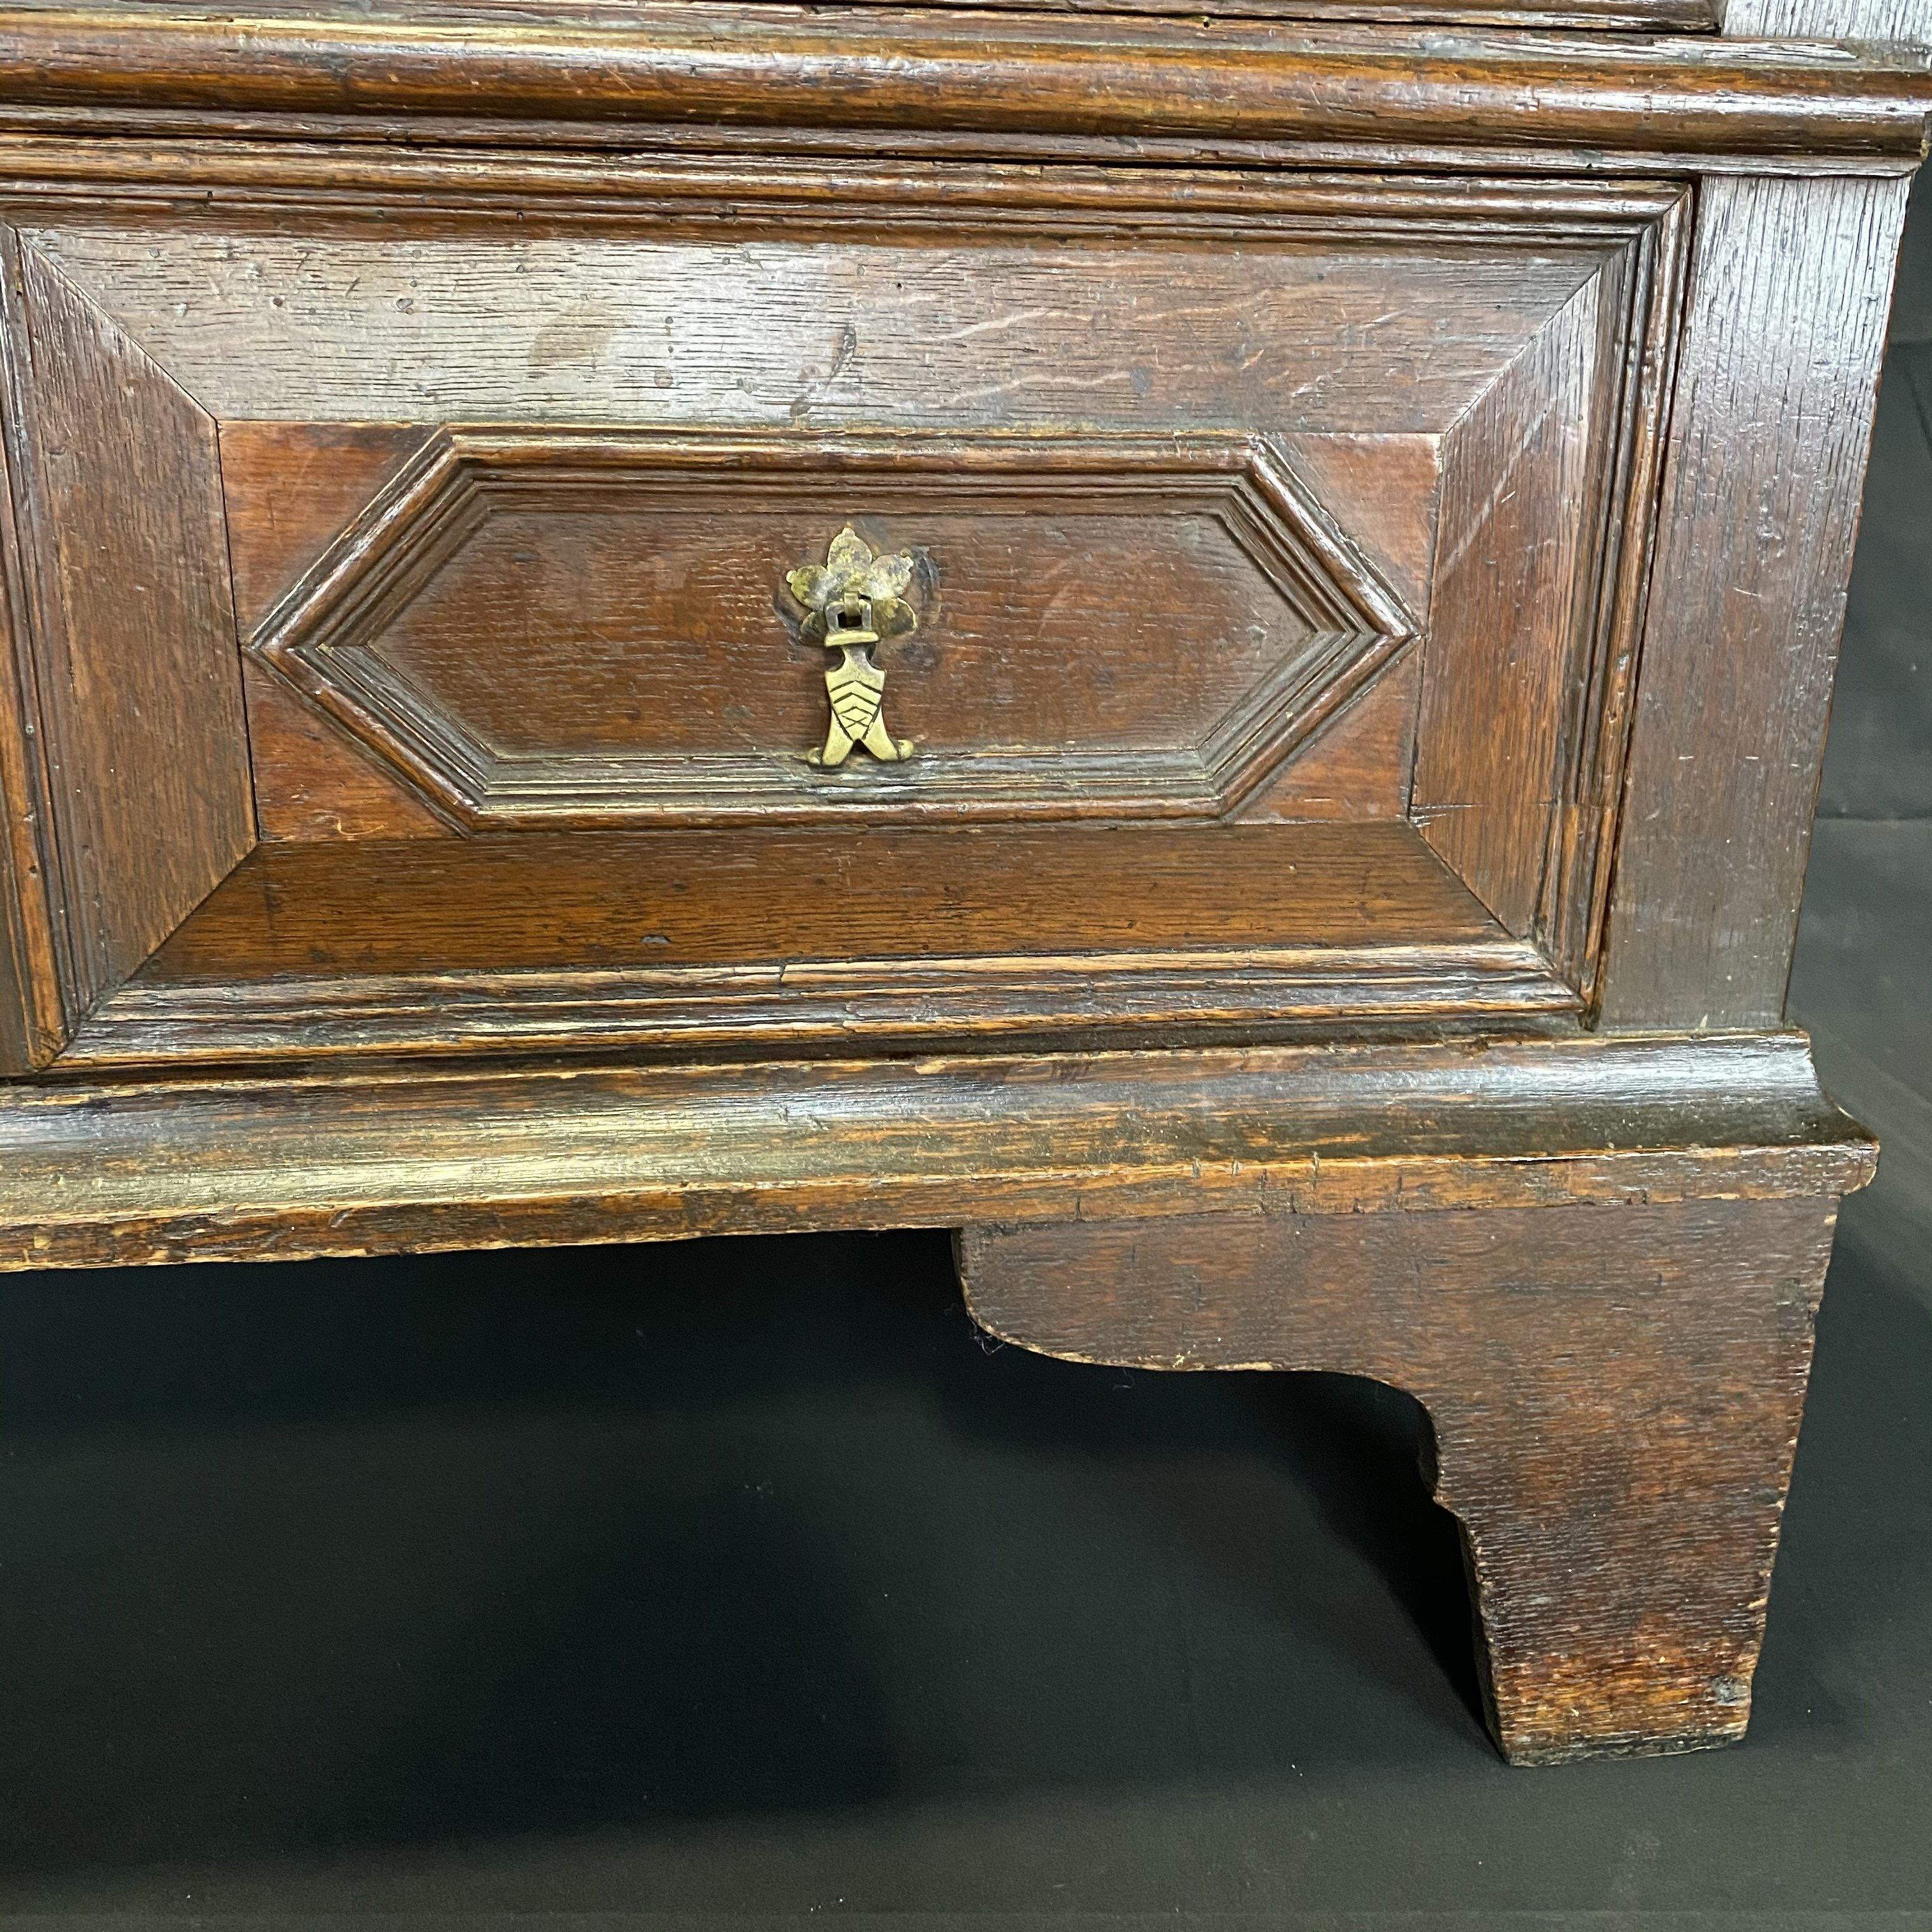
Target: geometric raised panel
(511, 491)
(589, 627)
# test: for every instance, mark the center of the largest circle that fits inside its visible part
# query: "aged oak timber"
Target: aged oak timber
(1197, 648)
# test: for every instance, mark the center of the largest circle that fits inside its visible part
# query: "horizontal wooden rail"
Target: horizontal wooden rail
(98, 1172)
(996, 75)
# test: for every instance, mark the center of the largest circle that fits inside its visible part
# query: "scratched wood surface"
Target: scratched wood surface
(1498, 666)
(1790, 282)
(584, 658)
(1357, 767)
(145, 759)
(292, 489)
(385, 1159)
(1907, 20)
(618, 627)
(915, 79)
(1109, 636)
(596, 630)
(1694, 16)
(312, 780)
(780, 328)
(806, 940)
(688, 898)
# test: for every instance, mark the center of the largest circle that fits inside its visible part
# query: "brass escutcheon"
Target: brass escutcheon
(849, 600)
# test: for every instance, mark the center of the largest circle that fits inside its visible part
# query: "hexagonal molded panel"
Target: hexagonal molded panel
(577, 629)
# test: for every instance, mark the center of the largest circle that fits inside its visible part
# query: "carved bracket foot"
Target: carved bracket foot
(1615, 1390)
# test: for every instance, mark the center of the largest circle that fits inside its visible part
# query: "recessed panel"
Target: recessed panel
(633, 628)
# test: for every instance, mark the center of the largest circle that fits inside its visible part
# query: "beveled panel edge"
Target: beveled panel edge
(912, 77)
(423, 512)
(111, 237)
(128, 765)
(93, 1173)
(1587, 210)
(1640, 343)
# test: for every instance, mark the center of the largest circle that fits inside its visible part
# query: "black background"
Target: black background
(744, 1578)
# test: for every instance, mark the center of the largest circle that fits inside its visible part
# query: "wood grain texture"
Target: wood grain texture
(1385, 490)
(1615, 1393)
(1908, 20)
(982, 330)
(1596, 712)
(1357, 767)
(33, 1008)
(1789, 284)
(814, 941)
(139, 682)
(293, 488)
(384, 1162)
(403, 190)
(289, 487)
(1521, 472)
(544, 629)
(1694, 16)
(1548, 523)
(313, 781)
(335, 309)
(995, 77)
(744, 895)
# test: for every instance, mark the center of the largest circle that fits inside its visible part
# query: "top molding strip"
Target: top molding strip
(1638, 16)
(907, 78)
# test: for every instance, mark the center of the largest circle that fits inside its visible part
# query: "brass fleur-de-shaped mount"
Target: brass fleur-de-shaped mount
(849, 600)
(854, 574)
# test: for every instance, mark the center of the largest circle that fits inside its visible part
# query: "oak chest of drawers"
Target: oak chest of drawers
(1197, 648)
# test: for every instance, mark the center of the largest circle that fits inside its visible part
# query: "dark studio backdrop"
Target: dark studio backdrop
(745, 1578)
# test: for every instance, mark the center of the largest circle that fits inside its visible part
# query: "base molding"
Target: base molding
(369, 1159)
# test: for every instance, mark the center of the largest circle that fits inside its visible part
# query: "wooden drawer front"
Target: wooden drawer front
(1251, 507)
